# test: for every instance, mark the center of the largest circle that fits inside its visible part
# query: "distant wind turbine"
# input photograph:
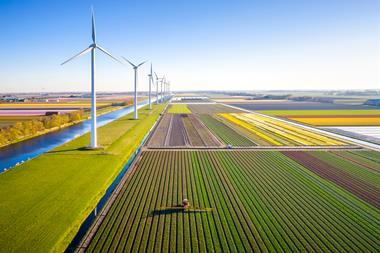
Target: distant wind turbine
(135, 67)
(162, 82)
(92, 47)
(150, 85)
(157, 79)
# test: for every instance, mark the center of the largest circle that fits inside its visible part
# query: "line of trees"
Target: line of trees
(27, 128)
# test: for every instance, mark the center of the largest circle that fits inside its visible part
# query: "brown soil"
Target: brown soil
(353, 184)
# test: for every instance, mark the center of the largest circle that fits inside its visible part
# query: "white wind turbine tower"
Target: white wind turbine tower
(150, 86)
(165, 89)
(162, 83)
(135, 67)
(157, 79)
(91, 48)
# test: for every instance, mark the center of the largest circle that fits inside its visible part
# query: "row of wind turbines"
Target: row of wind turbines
(165, 86)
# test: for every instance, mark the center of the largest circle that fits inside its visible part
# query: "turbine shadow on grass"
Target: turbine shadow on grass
(84, 150)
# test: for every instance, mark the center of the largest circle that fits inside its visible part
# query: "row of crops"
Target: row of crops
(331, 117)
(192, 126)
(278, 133)
(354, 172)
(182, 130)
(242, 201)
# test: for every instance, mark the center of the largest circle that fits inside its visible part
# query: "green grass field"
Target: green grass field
(44, 201)
(179, 108)
(319, 112)
(242, 201)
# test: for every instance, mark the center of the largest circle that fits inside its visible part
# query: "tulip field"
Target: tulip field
(242, 201)
(278, 133)
(252, 184)
(330, 117)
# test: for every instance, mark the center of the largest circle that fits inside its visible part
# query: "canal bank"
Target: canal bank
(44, 201)
(18, 153)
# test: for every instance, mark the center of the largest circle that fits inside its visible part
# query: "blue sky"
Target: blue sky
(250, 45)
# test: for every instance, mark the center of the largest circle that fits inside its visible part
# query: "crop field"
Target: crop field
(49, 106)
(241, 201)
(330, 117)
(333, 113)
(339, 121)
(211, 109)
(358, 175)
(295, 105)
(225, 133)
(278, 133)
(180, 130)
(179, 109)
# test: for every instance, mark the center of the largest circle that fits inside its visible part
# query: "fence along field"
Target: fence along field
(259, 200)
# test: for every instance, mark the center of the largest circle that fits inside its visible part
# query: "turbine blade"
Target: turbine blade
(151, 70)
(78, 54)
(141, 63)
(93, 25)
(105, 51)
(133, 65)
(156, 75)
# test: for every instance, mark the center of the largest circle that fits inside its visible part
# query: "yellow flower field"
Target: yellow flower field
(278, 133)
(349, 121)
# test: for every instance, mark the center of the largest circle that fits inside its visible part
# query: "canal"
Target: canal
(20, 152)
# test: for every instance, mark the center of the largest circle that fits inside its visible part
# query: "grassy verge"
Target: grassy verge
(44, 201)
(179, 108)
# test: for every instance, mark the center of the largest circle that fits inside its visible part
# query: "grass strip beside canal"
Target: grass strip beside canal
(44, 201)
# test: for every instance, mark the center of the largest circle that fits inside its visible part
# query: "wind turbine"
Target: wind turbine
(135, 67)
(157, 79)
(91, 48)
(162, 82)
(150, 86)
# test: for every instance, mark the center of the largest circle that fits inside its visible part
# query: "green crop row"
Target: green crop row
(257, 201)
(225, 133)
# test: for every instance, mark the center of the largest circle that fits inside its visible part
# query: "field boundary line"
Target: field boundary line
(317, 130)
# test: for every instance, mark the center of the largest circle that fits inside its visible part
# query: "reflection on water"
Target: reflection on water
(20, 152)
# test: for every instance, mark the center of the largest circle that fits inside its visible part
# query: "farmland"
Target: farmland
(44, 201)
(179, 109)
(241, 201)
(358, 175)
(177, 130)
(295, 105)
(330, 117)
(225, 133)
(278, 133)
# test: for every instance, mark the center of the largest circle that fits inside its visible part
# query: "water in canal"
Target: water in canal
(20, 152)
